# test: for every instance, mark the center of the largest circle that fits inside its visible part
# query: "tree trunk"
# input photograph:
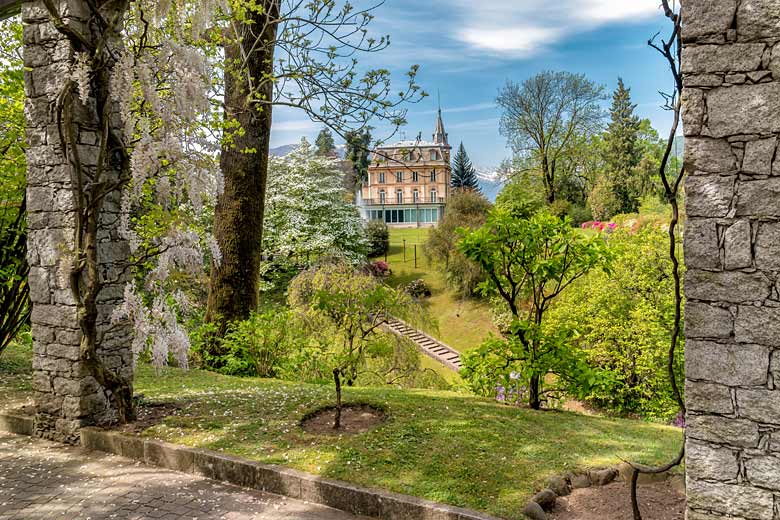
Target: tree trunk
(534, 400)
(238, 217)
(337, 379)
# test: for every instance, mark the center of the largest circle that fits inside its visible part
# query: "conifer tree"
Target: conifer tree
(622, 150)
(464, 176)
(325, 144)
(358, 145)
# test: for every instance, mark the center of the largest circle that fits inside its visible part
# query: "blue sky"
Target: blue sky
(468, 54)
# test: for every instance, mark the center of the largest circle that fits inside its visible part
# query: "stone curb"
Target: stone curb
(264, 477)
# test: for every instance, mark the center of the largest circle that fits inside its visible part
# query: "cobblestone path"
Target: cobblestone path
(43, 480)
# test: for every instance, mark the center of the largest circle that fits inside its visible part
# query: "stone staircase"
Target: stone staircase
(435, 349)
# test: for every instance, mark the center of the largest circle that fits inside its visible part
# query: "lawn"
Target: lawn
(462, 322)
(442, 446)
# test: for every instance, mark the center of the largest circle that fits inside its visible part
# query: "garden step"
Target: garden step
(447, 356)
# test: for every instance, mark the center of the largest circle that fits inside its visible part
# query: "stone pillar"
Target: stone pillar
(731, 114)
(66, 396)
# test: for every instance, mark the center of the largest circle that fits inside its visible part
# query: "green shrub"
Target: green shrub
(623, 324)
(378, 238)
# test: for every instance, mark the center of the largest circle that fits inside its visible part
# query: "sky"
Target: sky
(467, 53)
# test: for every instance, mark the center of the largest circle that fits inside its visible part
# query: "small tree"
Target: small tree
(354, 306)
(464, 176)
(529, 263)
(622, 152)
(325, 144)
(378, 238)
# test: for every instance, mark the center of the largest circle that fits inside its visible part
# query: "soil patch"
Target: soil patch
(148, 415)
(657, 500)
(355, 418)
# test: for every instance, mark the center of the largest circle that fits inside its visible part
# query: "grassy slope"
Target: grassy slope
(462, 323)
(442, 446)
(15, 375)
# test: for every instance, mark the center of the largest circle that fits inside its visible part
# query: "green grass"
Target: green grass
(442, 446)
(15, 375)
(463, 323)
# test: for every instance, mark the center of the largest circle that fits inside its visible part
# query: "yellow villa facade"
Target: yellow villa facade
(408, 182)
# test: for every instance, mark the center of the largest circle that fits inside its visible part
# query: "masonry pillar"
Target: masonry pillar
(67, 397)
(731, 68)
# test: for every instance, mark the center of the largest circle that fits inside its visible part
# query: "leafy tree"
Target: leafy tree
(522, 195)
(307, 216)
(623, 322)
(378, 238)
(622, 152)
(325, 144)
(301, 56)
(465, 210)
(14, 291)
(464, 176)
(358, 144)
(602, 199)
(351, 307)
(545, 115)
(529, 263)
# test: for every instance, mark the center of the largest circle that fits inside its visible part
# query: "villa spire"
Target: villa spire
(439, 135)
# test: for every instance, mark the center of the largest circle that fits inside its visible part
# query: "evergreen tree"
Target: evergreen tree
(464, 176)
(622, 150)
(357, 152)
(326, 146)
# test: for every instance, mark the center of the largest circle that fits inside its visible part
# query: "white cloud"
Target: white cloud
(301, 125)
(456, 110)
(521, 28)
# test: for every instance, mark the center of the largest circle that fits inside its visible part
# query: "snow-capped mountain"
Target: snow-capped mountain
(281, 151)
(489, 182)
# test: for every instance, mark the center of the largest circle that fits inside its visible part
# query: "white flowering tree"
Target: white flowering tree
(307, 215)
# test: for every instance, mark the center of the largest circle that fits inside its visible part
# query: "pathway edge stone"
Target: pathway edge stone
(264, 477)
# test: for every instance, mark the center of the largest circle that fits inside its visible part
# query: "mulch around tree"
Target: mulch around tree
(657, 501)
(355, 418)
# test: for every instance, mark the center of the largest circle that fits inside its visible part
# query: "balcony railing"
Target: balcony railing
(394, 201)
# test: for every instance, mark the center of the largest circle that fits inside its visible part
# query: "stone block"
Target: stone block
(707, 321)
(340, 495)
(744, 109)
(728, 364)
(760, 405)
(759, 325)
(703, 80)
(703, 154)
(758, 19)
(709, 195)
(708, 397)
(763, 471)
(738, 246)
(693, 112)
(740, 433)
(70, 352)
(163, 454)
(712, 463)
(701, 244)
(225, 468)
(760, 198)
(727, 286)
(706, 59)
(704, 17)
(768, 246)
(758, 156)
(731, 500)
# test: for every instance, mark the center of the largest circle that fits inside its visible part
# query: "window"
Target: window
(434, 155)
(399, 196)
(399, 177)
(415, 177)
(416, 196)
(433, 195)
(381, 177)
(433, 176)
(381, 196)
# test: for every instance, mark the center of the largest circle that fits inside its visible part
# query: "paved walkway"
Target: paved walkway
(43, 480)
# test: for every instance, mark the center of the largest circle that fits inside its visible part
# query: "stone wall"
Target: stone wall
(731, 114)
(67, 397)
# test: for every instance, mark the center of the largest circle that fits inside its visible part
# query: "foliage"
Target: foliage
(602, 200)
(464, 176)
(379, 269)
(307, 216)
(465, 209)
(545, 116)
(358, 144)
(378, 238)
(14, 290)
(623, 322)
(325, 144)
(418, 289)
(529, 263)
(345, 309)
(522, 196)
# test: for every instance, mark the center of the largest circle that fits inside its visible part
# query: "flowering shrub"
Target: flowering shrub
(599, 226)
(379, 269)
(418, 289)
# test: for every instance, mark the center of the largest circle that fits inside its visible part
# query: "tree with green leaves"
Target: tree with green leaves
(325, 144)
(300, 56)
(545, 116)
(464, 176)
(358, 150)
(529, 263)
(622, 150)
